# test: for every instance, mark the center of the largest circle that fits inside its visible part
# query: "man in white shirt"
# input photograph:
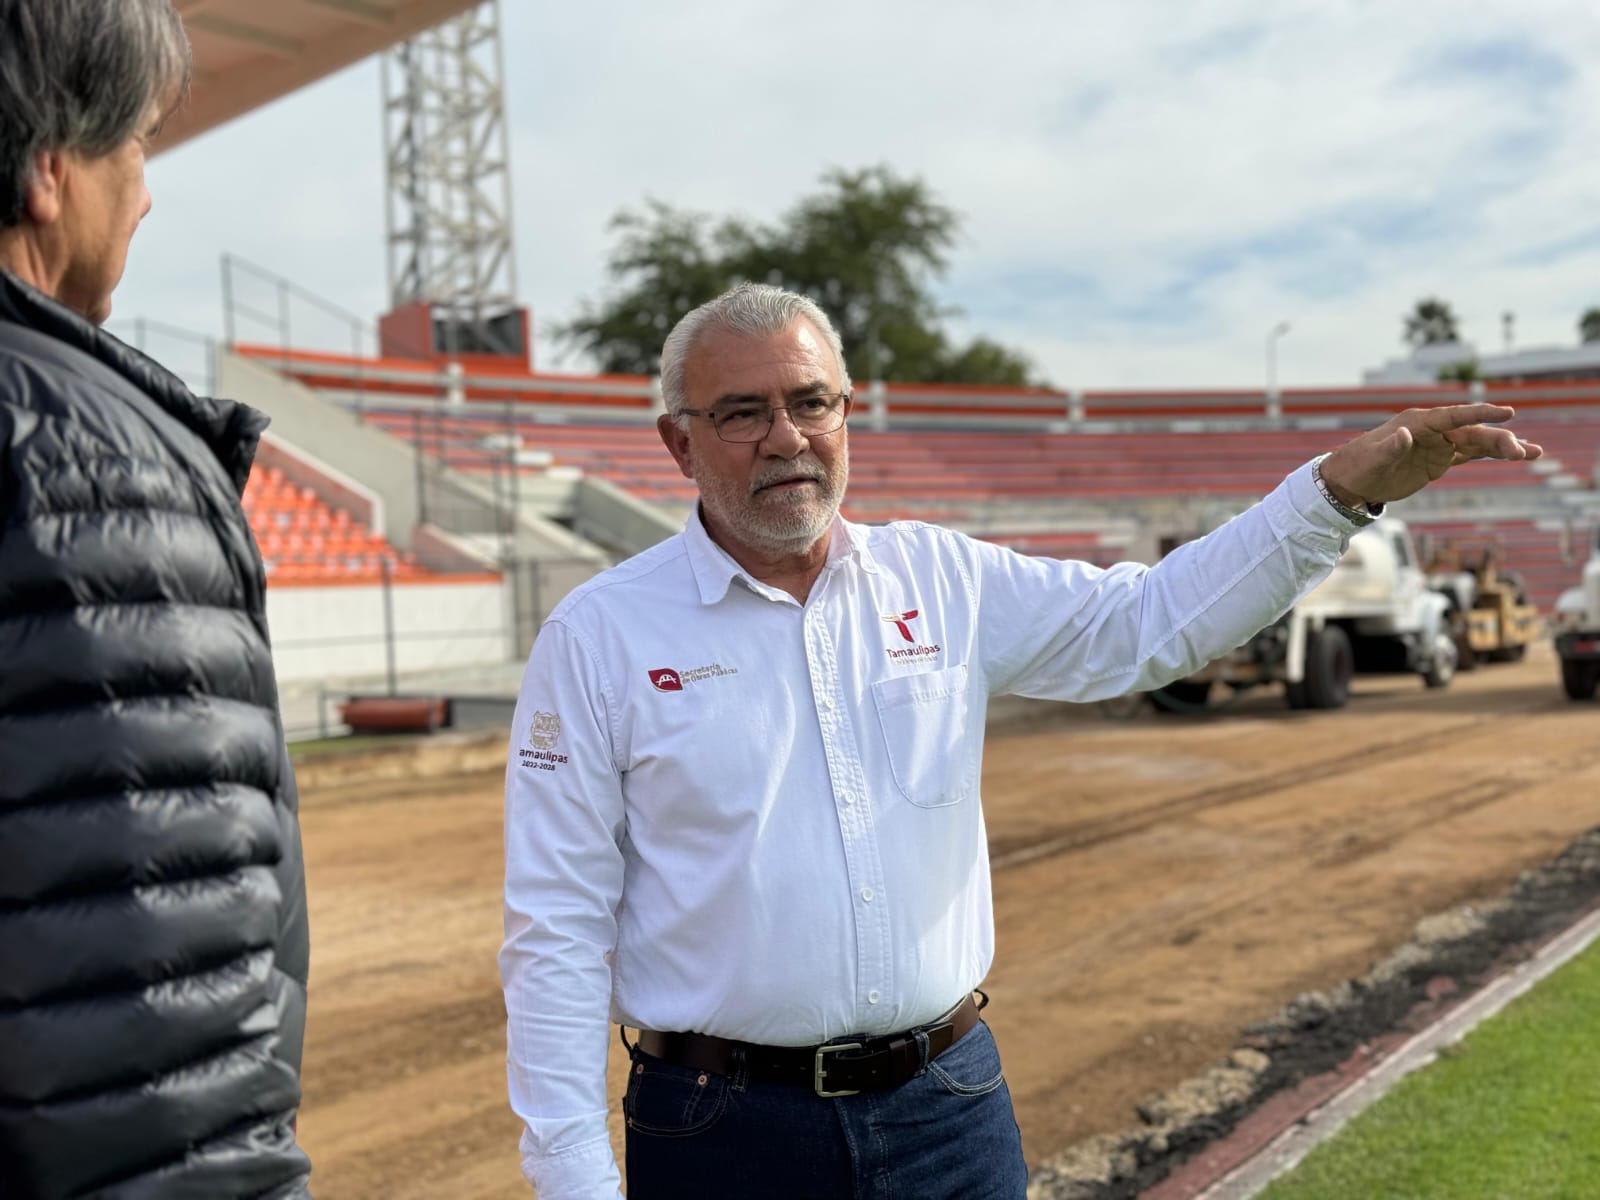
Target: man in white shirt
(742, 810)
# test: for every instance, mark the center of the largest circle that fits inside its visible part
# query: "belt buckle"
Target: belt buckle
(820, 1073)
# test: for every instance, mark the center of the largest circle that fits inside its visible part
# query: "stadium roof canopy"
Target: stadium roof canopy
(248, 52)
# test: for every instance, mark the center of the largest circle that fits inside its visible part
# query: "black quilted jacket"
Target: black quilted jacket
(153, 943)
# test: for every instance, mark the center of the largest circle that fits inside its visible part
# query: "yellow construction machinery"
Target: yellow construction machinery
(1490, 616)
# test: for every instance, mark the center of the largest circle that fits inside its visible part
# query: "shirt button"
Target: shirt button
(866, 894)
(848, 797)
(872, 997)
(826, 701)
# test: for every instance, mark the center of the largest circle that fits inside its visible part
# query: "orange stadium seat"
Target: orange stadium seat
(303, 540)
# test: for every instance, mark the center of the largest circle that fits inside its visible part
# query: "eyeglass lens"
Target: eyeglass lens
(812, 416)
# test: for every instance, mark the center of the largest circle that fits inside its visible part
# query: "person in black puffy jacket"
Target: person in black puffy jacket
(153, 945)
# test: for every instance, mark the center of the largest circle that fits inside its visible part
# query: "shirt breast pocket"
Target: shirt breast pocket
(924, 722)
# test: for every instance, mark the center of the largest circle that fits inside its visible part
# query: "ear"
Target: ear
(43, 197)
(676, 440)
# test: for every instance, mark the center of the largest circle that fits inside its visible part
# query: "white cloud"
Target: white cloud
(1147, 187)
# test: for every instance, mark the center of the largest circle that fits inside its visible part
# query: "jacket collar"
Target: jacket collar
(230, 429)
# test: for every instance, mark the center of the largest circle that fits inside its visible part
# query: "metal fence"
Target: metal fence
(189, 355)
(259, 305)
(537, 585)
(483, 649)
(493, 461)
(302, 334)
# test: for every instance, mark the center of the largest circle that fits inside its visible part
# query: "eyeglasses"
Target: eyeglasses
(813, 417)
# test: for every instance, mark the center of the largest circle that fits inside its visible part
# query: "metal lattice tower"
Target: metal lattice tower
(449, 169)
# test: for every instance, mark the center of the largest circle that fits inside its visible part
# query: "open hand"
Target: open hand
(1413, 448)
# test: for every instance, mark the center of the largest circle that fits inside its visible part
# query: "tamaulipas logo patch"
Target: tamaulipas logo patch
(902, 622)
(540, 752)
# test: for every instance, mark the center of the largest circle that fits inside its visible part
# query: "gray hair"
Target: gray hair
(79, 75)
(749, 308)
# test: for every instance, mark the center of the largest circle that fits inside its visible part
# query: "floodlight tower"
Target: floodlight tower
(452, 275)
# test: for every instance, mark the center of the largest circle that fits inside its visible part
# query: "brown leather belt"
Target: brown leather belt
(837, 1068)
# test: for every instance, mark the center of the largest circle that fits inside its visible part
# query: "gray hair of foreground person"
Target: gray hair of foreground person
(78, 76)
(752, 309)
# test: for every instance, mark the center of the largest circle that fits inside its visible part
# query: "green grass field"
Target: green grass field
(1510, 1113)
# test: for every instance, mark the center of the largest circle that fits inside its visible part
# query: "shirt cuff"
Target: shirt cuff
(587, 1171)
(1308, 503)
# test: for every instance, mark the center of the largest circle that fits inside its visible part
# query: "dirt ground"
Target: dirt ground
(1159, 884)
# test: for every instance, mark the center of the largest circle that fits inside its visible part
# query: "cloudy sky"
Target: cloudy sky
(1147, 186)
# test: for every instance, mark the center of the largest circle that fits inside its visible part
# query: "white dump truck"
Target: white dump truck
(1578, 630)
(1375, 612)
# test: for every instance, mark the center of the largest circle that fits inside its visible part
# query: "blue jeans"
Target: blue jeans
(948, 1134)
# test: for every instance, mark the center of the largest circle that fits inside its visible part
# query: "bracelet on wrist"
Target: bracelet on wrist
(1365, 515)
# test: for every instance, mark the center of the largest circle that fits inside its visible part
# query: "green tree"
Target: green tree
(1589, 325)
(1465, 371)
(1431, 322)
(668, 262)
(868, 247)
(983, 361)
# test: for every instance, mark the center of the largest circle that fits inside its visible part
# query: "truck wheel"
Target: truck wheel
(1442, 665)
(1329, 664)
(1579, 677)
(1182, 696)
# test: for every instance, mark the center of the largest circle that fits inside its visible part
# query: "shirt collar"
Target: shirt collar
(714, 568)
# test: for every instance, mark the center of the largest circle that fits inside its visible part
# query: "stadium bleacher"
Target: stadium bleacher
(970, 464)
(1015, 472)
(952, 476)
(304, 540)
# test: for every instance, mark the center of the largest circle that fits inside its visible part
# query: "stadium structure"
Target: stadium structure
(426, 496)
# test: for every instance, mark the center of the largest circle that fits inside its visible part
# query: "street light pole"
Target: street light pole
(1274, 407)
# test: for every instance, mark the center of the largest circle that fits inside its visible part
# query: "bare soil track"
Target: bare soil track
(1160, 885)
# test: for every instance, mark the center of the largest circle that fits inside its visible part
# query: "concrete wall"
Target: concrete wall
(333, 488)
(450, 555)
(300, 417)
(330, 632)
(624, 524)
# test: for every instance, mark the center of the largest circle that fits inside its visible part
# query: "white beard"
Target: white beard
(778, 523)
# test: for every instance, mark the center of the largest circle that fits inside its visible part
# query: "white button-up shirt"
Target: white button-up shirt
(732, 813)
